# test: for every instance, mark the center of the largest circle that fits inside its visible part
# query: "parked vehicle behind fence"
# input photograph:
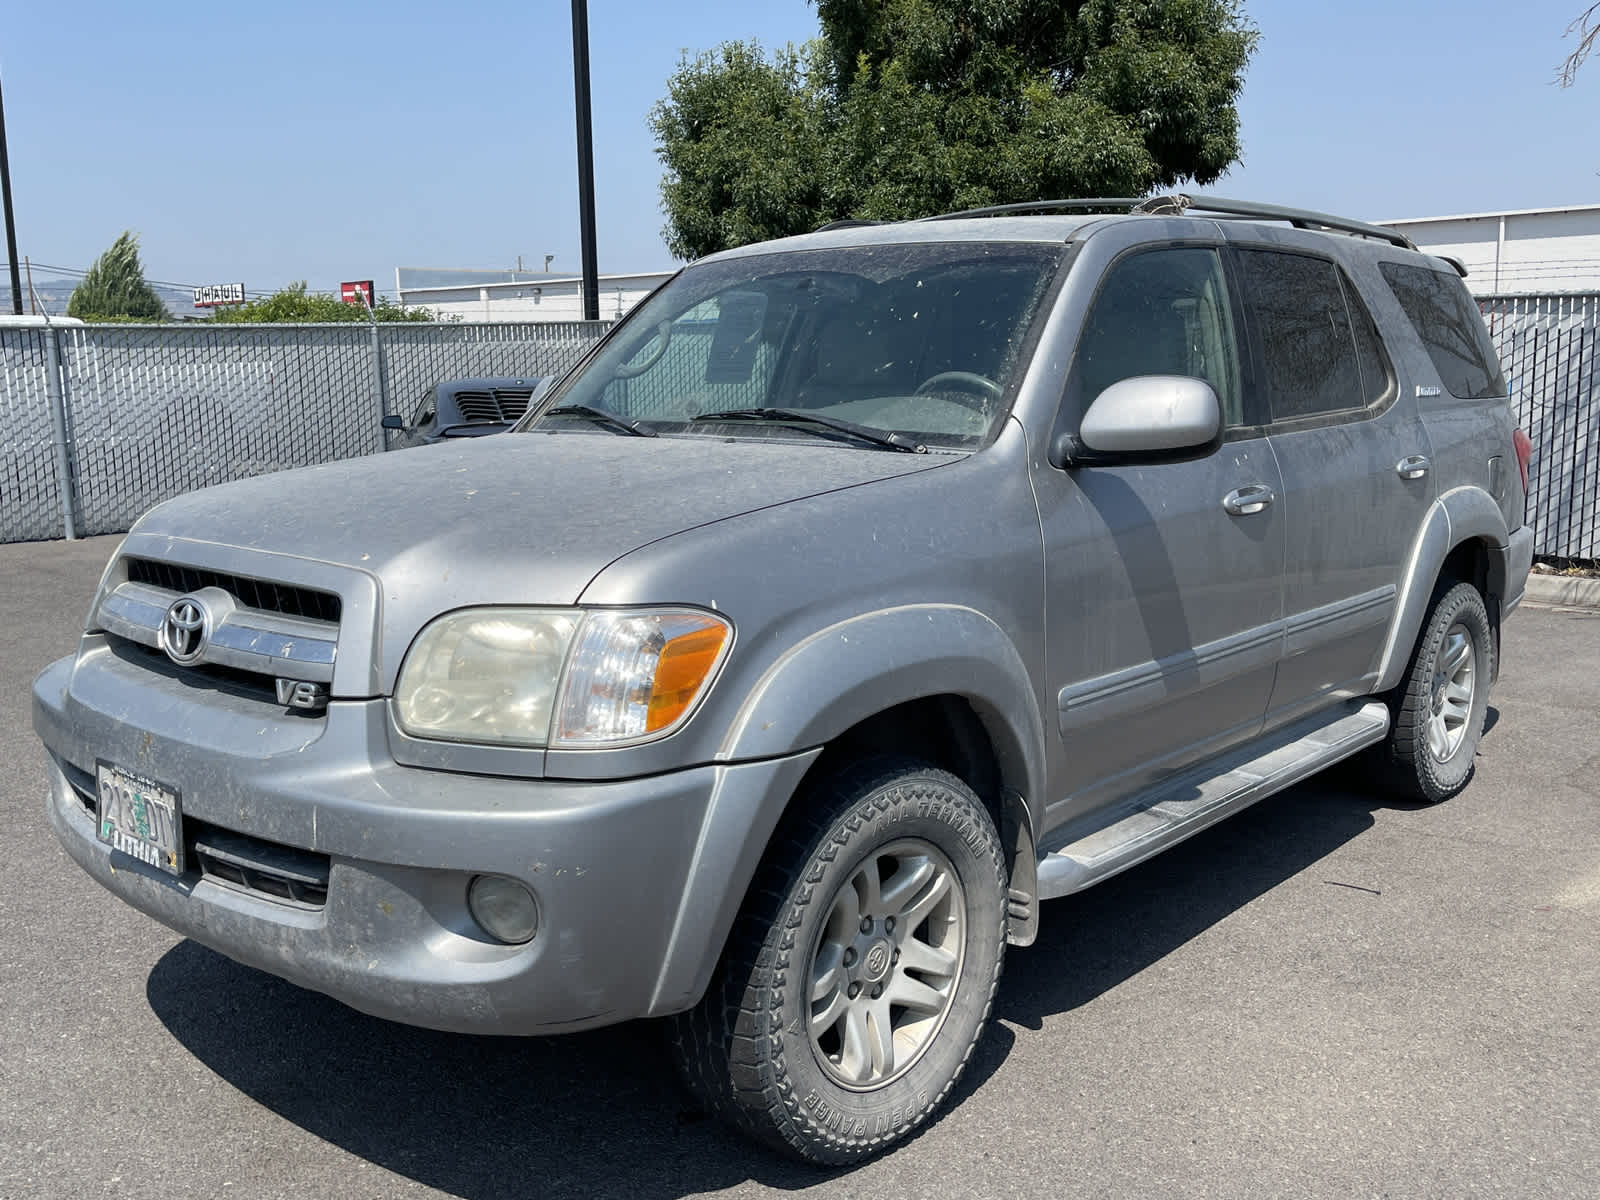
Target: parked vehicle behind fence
(860, 592)
(463, 408)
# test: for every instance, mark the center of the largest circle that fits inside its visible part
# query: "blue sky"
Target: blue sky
(336, 141)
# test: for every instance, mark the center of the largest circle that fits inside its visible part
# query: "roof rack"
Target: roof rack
(1180, 204)
(846, 223)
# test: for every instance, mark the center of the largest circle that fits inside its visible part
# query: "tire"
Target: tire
(888, 884)
(1439, 707)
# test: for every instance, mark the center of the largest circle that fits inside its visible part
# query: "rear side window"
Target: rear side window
(1451, 330)
(1307, 345)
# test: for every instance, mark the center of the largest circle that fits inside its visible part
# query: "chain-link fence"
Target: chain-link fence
(417, 356)
(30, 487)
(140, 413)
(1547, 350)
(136, 414)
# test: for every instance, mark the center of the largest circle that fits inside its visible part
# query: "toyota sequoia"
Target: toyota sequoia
(856, 594)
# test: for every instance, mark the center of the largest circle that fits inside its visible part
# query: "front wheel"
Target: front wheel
(859, 978)
(1440, 705)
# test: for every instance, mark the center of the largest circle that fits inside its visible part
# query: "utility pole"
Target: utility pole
(580, 86)
(11, 225)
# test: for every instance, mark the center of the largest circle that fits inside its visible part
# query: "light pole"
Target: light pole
(580, 86)
(11, 225)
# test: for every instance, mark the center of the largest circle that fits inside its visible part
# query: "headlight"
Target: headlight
(485, 675)
(560, 677)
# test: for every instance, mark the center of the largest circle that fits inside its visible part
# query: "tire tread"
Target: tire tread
(728, 1047)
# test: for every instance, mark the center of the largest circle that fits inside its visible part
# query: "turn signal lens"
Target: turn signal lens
(635, 675)
(685, 663)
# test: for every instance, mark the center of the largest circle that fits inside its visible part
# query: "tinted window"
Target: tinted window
(1306, 344)
(1163, 312)
(1451, 330)
(1376, 373)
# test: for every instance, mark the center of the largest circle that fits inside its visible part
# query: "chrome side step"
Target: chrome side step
(1180, 808)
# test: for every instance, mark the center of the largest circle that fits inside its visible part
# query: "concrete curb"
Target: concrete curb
(1563, 591)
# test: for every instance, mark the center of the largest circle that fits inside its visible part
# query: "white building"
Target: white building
(519, 295)
(1521, 250)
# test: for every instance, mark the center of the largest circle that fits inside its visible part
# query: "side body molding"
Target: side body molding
(1461, 515)
(850, 671)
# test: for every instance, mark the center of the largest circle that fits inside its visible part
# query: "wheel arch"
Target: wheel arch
(973, 743)
(942, 683)
(1463, 537)
(856, 673)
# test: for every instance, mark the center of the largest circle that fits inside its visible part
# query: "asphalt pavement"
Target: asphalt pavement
(1329, 995)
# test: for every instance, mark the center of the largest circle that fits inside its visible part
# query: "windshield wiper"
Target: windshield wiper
(601, 417)
(799, 416)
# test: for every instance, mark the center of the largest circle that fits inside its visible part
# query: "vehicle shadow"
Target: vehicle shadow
(601, 1113)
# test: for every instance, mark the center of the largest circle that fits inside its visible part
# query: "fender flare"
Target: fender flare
(818, 689)
(859, 667)
(1461, 515)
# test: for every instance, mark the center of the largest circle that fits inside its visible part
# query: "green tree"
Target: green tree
(114, 287)
(905, 108)
(295, 304)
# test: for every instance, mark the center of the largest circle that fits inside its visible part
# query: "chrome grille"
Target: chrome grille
(256, 631)
(261, 594)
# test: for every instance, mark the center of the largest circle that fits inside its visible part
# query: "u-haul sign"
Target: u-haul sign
(214, 294)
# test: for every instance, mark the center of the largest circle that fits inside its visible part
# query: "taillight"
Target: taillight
(1524, 448)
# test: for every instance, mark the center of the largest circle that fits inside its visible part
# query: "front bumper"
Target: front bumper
(637, 880)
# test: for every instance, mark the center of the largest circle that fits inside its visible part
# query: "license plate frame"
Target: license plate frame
(139, 816)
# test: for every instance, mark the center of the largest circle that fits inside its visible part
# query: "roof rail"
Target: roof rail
(1121, 204)
(845, 223)
(1177, 205)
(1300, 218)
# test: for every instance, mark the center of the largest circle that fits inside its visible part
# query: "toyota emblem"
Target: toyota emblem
(185, 630)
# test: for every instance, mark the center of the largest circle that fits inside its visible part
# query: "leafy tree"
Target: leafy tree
(744, 140)
(1587, 26)
(295, 304)
(905, 108)
(114, 287)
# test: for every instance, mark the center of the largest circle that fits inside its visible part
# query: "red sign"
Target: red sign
(357, 291)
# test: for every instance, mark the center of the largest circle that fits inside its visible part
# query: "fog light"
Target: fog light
(505, 908)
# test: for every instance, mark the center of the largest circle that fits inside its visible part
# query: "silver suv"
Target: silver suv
(860, 592)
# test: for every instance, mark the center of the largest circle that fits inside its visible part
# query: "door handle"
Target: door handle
(1251, 498)
(1413, 466)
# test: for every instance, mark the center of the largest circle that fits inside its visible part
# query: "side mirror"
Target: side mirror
(393, 421)
(1148, 417)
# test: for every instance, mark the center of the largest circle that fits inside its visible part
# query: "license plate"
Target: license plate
(140, 817)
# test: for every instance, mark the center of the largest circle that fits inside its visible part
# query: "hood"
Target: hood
(522, 518)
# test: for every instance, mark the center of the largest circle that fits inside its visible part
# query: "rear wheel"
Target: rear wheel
(1439, 707)
(860, 976)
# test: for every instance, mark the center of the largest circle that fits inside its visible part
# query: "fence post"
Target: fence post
(377, 381)
(58, 421)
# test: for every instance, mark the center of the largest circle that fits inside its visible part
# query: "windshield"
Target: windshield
(921, 340)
